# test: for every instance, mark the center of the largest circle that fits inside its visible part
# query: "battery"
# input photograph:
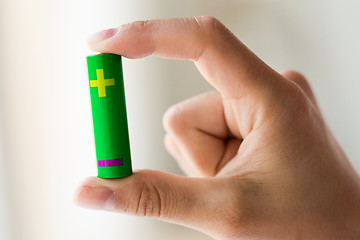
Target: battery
(108, 106)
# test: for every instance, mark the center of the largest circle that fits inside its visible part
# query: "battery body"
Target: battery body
(108, 105)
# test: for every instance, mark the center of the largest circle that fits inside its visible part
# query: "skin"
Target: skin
(263, 163)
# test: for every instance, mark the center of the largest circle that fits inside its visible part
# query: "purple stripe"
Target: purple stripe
(110, 163)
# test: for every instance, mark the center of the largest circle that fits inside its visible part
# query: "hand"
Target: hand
(263, 161)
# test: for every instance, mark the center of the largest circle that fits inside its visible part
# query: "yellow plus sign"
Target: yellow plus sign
(101, 83)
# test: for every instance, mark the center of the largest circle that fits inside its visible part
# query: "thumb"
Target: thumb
(187, 201)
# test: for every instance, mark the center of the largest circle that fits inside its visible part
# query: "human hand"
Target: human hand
(263, 161)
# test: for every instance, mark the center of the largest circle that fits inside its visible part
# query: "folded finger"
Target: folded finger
(198, 136)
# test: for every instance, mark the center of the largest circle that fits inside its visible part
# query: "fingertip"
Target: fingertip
(77, 195)
(87, 182)
(102, 35)
(98, 198)
(98, 41)
(91, 193)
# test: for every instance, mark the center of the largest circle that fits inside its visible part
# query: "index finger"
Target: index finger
(223, 60)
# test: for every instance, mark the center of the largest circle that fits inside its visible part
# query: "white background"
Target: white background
(46, 141)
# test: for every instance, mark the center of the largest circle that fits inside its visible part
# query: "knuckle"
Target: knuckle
(298, 103)
(297, 78)
(208, 28)
(291, 74)
(139, 25)
(174, 118)
(146, 201)
(297, 94)
(208, 20)
(294, 107)
(172, 147)
(209, 23)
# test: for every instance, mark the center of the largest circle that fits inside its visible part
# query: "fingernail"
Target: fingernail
(102, 35)
(100, 198)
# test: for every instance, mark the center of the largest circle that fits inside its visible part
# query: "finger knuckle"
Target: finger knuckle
(299, 79)
(298, 104)
(139, 25)
(146, 201)
(208, 20)
(292, 74)
(174, 118)
(294, 107)
(209, 23)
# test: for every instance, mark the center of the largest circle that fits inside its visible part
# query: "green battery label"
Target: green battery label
(108, 105)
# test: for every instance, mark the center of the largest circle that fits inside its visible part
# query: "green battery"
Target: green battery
(108, 105)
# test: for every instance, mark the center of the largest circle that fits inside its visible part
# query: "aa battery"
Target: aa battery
(108, 105)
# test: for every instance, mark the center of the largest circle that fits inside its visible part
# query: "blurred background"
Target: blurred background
(46, 135)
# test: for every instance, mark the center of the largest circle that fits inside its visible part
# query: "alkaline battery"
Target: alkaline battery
(108, 105)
